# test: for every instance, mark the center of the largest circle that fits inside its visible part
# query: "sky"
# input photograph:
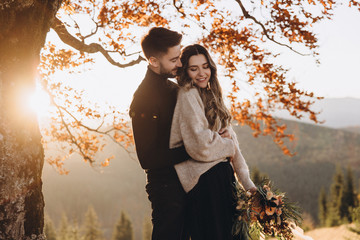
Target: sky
(336, 77)
(338, 74)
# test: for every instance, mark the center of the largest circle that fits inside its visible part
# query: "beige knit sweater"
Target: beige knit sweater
(206, 148)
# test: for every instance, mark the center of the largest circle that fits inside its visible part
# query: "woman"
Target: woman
(199, 117)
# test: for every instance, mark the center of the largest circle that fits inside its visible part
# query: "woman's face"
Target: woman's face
(199, 70)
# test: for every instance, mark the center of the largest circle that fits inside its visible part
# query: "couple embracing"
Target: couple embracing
(185, 142)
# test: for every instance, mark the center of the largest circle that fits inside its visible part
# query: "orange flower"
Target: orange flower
(253, 216)
(269, 195)
(256, 209)
(248, 193)
(266, 187)
(280, 199)
(276, 201)
(262, 215)
(269, 211)
(240, 204)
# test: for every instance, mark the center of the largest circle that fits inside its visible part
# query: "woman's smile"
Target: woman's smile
(199, 70)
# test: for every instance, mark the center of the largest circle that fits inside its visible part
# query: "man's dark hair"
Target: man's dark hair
(158, 41)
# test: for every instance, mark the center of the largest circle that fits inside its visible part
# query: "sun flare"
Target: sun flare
(39, 102)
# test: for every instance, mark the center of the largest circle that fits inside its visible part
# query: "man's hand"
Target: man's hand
(224, 133)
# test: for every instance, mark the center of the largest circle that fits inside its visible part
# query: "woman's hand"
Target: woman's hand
(224, 133)
(253, 190)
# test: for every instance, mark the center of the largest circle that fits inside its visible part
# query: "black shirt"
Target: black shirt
(151, 112)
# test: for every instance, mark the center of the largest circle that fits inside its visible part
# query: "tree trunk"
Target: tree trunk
(23, 28)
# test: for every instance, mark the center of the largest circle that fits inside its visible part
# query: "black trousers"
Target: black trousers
(211, 205)
(168, 200)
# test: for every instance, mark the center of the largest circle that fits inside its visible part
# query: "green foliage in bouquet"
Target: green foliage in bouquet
(267, 212)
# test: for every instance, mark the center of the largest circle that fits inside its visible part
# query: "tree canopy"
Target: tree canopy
(242, 35)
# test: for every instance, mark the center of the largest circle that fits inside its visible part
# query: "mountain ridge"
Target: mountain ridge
(336, 112)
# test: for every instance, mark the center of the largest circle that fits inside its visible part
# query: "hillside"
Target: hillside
(120, 186)
(318, 151)
(336, 112)
(355, 129)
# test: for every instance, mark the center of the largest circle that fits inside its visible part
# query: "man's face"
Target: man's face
(170, 62)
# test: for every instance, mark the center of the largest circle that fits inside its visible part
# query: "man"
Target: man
(151, 112)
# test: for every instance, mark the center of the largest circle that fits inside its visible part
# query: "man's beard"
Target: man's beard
(167, 74)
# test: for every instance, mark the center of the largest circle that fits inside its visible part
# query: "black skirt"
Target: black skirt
(211, 205)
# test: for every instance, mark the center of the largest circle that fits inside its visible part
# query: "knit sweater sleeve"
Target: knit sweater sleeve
(201, 143)
(239, 163)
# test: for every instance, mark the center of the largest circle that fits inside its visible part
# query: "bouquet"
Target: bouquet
(267, 210)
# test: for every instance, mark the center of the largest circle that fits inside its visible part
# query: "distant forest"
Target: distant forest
(121, 186)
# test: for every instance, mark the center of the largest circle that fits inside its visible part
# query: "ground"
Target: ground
(335, 233)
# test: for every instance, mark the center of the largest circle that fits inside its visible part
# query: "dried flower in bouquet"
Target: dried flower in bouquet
(267, 210)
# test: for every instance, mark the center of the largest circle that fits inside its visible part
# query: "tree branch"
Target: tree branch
(265, 31)
(73, 139)
(178, 8)
(79, 32)
(92, 32)
(70, 40)
(97, 130)
(77, 144)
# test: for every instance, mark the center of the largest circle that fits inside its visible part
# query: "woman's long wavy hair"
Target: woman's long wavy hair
(215, 109)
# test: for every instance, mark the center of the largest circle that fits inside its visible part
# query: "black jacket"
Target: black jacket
(151, 112)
